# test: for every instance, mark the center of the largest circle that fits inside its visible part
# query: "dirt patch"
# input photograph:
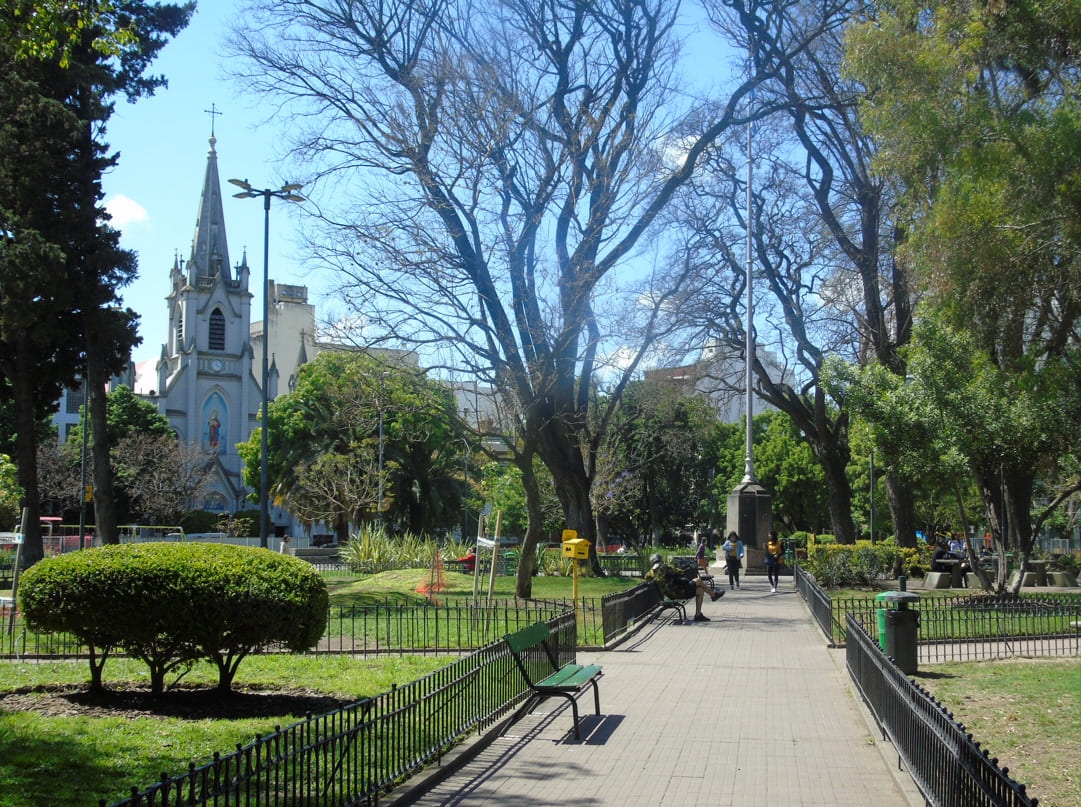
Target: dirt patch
(185, 703)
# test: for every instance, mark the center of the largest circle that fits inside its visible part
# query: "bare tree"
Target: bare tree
(162, 476)
(58, 475)
(490, 170)
(822, 247)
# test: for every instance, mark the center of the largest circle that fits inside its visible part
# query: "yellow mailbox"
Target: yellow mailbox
(576, 548)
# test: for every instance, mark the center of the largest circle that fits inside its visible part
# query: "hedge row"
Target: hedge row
(169, 604)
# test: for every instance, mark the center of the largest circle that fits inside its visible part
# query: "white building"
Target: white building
(721, 378)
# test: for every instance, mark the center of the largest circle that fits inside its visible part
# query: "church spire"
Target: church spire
(209, 249)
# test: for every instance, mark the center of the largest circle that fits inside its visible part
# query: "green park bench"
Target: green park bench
(545, 677)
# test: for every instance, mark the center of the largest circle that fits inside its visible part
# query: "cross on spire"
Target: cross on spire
(212, 112)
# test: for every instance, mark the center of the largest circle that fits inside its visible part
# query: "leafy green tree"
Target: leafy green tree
(125, 414)
(959, 410)
(61, 266)
(502, 490)
(10, 493)
(786, 466)
(130, 421)
(977, 107)
(37, 352)
(654, 475)
(325, 446)
(48, 29)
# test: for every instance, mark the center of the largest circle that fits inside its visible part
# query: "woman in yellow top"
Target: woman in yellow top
(774, 554)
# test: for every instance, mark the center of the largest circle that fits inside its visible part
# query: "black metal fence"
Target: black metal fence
(621, 610)
(948, 766)
(817, 600)
(394, 627)
(434, 628)
(356, 754)
(621, 565)
(963, 627)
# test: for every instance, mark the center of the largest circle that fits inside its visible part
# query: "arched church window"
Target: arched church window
(179, 330)
(217, 330)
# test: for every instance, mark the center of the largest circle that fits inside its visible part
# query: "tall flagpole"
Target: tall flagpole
(750, 511)
(748, 468)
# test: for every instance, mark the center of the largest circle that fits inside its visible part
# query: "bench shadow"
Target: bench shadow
(596, 729)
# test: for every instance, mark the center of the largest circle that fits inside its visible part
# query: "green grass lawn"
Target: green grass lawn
(51, 753)
(1026, 712)
(48, 758)
(401, 586)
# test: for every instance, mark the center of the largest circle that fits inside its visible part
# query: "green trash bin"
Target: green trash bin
(881, 613)
(898, 628)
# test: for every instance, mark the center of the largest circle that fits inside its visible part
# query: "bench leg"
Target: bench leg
(534, 701)
(574, 710)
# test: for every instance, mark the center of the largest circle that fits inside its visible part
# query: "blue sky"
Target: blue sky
(153, 193)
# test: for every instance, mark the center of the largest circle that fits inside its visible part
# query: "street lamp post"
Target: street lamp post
(286, 192)
(379, 503)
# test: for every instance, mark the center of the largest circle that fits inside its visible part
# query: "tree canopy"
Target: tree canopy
(490, 167)
(61, 265)
(977, 109)
(355, 427)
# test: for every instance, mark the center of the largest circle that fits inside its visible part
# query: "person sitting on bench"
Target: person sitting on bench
(469, 562)
(676, 585)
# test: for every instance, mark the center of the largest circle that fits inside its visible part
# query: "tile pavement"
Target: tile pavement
(748, 709)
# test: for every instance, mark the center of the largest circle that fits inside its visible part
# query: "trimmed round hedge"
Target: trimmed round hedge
(169, 603)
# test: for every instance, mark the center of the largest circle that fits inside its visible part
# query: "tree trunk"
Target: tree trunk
(902, 511)
(534, 527)
(653, 511)
(1018, 492)
(26, 452)
(573, 493)
(96, 391)
(989, 484)
(834, 461)
(557, 446)
(602, 530)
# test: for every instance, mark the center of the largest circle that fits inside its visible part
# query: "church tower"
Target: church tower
(206, 384)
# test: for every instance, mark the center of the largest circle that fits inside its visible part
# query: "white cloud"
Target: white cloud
(125, 211)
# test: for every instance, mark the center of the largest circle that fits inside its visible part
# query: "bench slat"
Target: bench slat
(573, 676)
(526, 638)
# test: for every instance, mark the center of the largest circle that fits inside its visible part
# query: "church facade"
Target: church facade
(206, 380)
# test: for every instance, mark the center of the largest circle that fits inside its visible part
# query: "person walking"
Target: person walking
(774, 553)
(733, 557)
(700, 553)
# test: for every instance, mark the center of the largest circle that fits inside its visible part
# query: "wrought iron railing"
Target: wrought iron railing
(621, 565)
(962, 627)
(354, 755)
(390, 627)
(948, 766)
(620, 610)
(817, 600)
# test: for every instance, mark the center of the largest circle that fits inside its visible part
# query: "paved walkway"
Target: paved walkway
(750, 709)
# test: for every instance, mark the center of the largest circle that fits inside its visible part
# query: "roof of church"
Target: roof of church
(209, 247)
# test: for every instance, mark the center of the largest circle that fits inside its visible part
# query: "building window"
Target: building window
(179, 331)
(74, 401)
(217, 330)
